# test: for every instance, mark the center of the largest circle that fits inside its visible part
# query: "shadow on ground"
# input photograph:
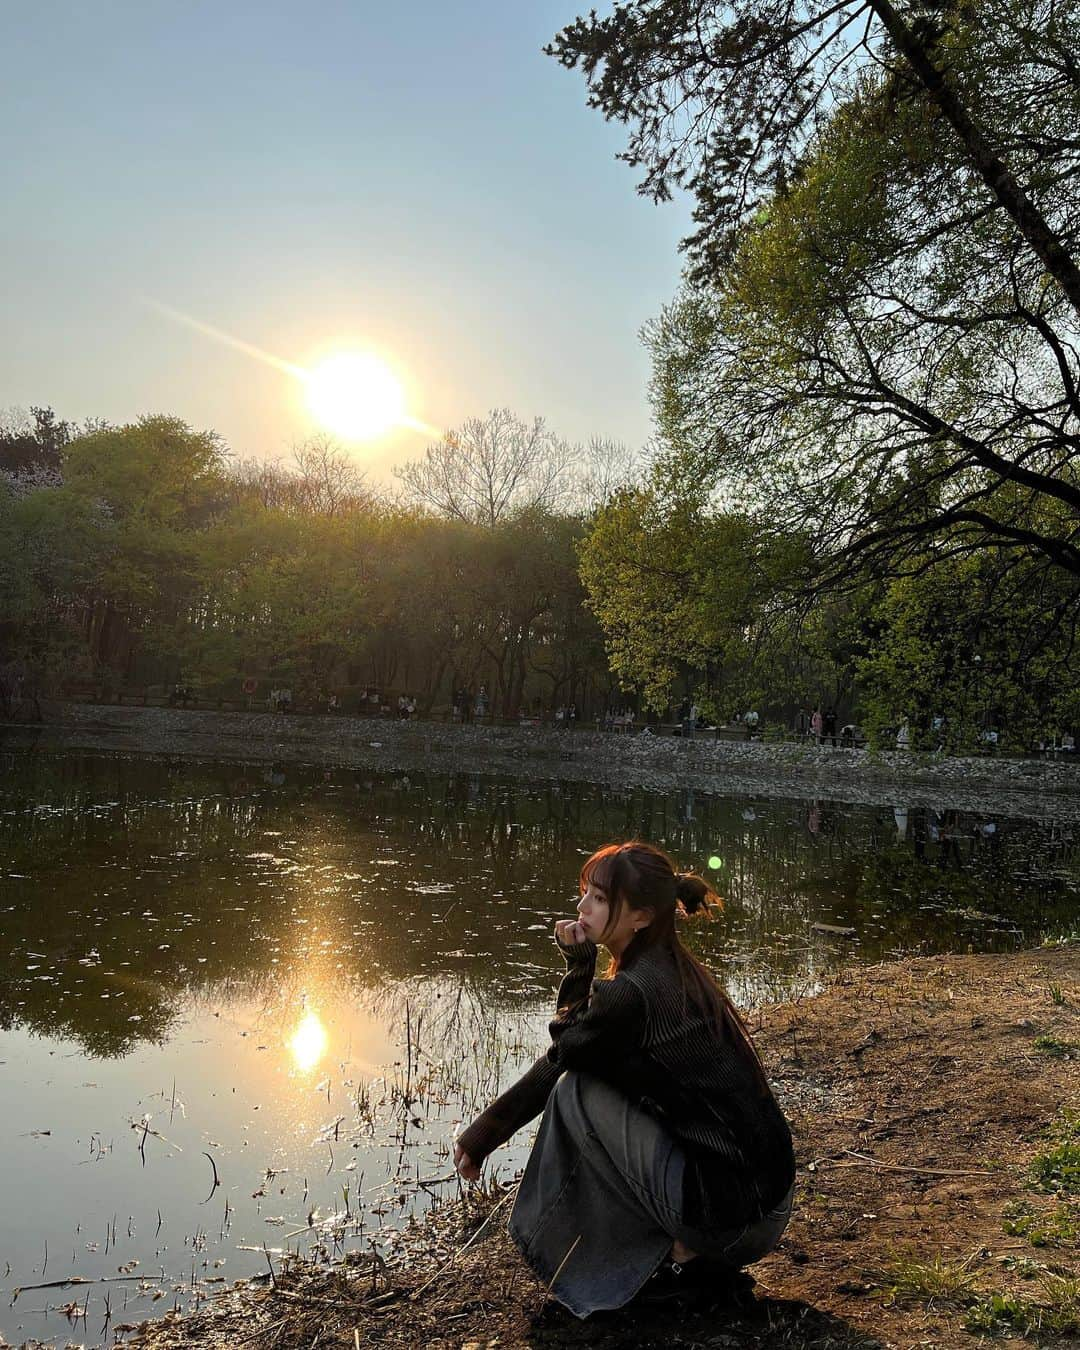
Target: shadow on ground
(783, 1323)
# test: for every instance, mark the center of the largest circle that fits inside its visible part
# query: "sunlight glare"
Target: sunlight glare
(355, 395)
(308, 1042)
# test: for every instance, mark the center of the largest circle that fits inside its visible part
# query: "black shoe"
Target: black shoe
(703, 1281)
(732, 1290)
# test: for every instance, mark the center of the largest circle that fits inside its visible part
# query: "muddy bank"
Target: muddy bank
(935, 1104)
(1035, 789)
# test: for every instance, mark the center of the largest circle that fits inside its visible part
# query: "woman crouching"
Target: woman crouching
(661, 1140)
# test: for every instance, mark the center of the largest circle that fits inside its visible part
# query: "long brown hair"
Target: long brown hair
(642, 876)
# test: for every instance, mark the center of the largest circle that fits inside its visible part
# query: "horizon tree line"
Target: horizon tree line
(143, 555)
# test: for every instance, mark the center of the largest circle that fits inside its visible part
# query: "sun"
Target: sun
(355, 395)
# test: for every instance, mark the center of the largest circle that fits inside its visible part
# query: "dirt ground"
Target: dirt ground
(935, 1104)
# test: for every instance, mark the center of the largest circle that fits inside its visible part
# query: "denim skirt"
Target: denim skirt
(601, 1201)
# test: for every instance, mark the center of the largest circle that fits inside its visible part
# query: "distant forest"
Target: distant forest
(135, 559)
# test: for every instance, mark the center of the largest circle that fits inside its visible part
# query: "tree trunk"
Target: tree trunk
(991, 168)
(433, 683)
(517, 689)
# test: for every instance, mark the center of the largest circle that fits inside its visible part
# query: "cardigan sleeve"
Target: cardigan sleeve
(507, 1113)
(602, 1037)
(608, 1039)
(580, 969)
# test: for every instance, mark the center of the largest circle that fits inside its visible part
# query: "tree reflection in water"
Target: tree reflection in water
(134, 888)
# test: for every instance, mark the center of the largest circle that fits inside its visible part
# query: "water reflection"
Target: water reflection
(308, 1042)
(134, 887)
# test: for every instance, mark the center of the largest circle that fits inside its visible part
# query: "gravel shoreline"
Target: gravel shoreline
(1030, 788)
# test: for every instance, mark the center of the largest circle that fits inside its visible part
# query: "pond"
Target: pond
(243, 1008)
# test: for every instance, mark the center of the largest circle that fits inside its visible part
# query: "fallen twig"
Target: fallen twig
(217, 1182)
(425, 1183)
(261, 1331)
(562, 1263)
(313, 1298)
(84, 1279)
(903, 1167)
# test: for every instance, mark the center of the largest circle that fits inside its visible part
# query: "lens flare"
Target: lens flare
(354, 395)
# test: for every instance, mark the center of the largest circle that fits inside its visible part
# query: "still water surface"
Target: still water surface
(299, 982)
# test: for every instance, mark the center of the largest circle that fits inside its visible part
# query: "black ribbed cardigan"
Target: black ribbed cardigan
(640, 1033)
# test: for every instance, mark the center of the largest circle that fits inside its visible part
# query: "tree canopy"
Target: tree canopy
(726, 100)
(872, 348)
(872, 369)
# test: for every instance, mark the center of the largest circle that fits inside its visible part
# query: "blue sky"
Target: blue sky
(419, 178)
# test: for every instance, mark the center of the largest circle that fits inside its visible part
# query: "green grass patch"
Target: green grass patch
(1058, 1168)
(1000, 1315)
(1048, 1307)
(908, 1278)
(1055, 1313)
(1062, 940)
(1056, 1049)
(1057, 1227)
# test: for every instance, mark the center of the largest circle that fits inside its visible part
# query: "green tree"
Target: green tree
(877, 388)
(286, 595)
(983, 640)
(686, 596)
(54, 545)
(872, 347)
(33, 443)
(161, 484)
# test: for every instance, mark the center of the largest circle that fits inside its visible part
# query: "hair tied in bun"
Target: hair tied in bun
(694, 894)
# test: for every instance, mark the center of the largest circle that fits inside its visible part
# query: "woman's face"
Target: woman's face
(595, 915)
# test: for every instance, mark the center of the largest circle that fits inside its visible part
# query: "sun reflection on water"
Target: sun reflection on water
(308, 1042)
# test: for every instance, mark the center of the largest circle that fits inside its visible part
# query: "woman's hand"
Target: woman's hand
(465, 1165)
(570, 932)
